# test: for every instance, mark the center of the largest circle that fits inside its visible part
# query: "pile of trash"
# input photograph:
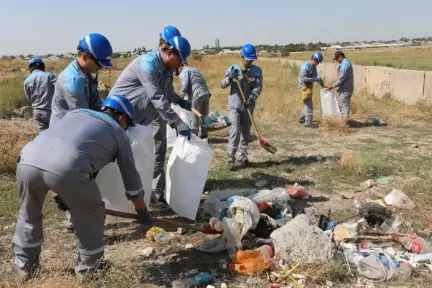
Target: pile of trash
(259, 233)
(217, 120)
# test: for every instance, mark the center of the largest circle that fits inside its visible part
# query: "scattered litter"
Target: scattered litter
(160, 235)
(252, 261)
(261, 183)
(390, 225)
(384, 180)
(191, 273)
(298, 192)
(213, 206)
(223, 285)
(210, 286)
(154, 231)
(415, 145)
(202, 278)
(266, 225)
(367, 184)
(145, 252)
(375, 120)
(372, 268)
(415, 244)
(399, 199)
(299, 240)
(189, 246)
(348, 195)
(212, 246)
(379, 202)
(217, 120)
(403, 272)
(279, 194)
(345, 231)
(216, 223)
(181, 231)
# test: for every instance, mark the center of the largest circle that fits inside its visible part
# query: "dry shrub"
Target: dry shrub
(334, 124)
(351, 162)
(319, 274)
(12, 140)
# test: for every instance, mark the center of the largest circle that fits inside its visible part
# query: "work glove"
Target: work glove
(144, 217)
(60, 204)
(183, 130)
(186, 105)
(248, 102)
(233, 73)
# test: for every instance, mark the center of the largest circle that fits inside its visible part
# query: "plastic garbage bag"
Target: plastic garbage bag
(328, 103)
(110, 181)
(171, 133)
(213, 206)
(186, 175)
(399, 199)
(217, 119)
(243, 215)
(212, 246)
(279, 194)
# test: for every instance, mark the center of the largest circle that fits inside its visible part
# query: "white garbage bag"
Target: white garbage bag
(110, 181)
(186, 175)
(329, 104)
(171, 134)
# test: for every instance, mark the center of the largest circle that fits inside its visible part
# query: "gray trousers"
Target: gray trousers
(202, 105)
(345, 103)
(239, 134)
(306, 116)
(160, 144)
(42, 119)
(83, 197)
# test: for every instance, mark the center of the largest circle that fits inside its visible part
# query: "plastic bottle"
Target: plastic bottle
(415, 244)
(202, 278)
(403, 272)
(250, 262)
(266, 251)
(279, 193)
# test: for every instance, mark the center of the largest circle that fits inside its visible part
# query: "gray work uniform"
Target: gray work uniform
(149, 87)
(73, 90)
(307, 76)
(240, 128)
(345, 86)
(65, 158)
(39, 90)
(194, 88)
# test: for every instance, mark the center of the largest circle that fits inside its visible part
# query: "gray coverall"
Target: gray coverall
(345, 86)
(39, 90)
(65, 158)
(240, 128)
(307, 75)
(194, 87)
(73, 90)
(148, 85)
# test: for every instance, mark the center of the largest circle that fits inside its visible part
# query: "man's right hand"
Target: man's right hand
(233, 73)
(144, 217)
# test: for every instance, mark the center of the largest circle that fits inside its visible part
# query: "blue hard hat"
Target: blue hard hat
(318, 56)
(98, 46)
(168, 33)
(121, 105)
(182, 45)
(35, 60)
(248, 51)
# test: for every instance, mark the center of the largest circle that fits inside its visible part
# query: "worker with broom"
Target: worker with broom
(307, 76)
(251, 80)
(344, 84)
(65, 159)
(39, 90)
(194, 88)
(77, 88)
(147, 83)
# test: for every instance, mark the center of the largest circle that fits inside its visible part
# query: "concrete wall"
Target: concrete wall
(409, 86)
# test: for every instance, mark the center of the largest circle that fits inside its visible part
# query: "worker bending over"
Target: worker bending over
(39, 90)
(251, 79)
(307, 76)
(194, 88)
(344, 84)
(76, 86)
(65, 159)
(147, 83)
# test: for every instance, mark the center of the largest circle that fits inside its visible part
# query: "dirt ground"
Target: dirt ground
(316, 159)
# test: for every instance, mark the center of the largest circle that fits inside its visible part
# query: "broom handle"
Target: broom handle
(247, 108)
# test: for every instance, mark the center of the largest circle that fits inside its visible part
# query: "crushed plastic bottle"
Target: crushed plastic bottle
(415, 244)
(250, 262)
(403, 272)
(216, 223)
(279, 193)
(202, 278)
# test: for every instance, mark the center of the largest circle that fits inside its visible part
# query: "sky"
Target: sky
(48, 26)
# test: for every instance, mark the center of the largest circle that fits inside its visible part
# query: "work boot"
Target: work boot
(26, 274)
(243, 163)
(231, 164)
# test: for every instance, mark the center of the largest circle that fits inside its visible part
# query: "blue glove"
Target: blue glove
(233, 73)
(186, 105)
(144, 217)
(183, 130)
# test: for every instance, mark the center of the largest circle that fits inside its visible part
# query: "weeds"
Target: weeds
(12, 94)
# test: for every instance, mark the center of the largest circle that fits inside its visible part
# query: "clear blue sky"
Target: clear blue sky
(48, 26)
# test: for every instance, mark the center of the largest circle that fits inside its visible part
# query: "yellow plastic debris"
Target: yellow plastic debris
(153, 232)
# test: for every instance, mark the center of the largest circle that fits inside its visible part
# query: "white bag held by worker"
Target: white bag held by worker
(110, 181)
(329, 104)
(186, 175)
(171, 134)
